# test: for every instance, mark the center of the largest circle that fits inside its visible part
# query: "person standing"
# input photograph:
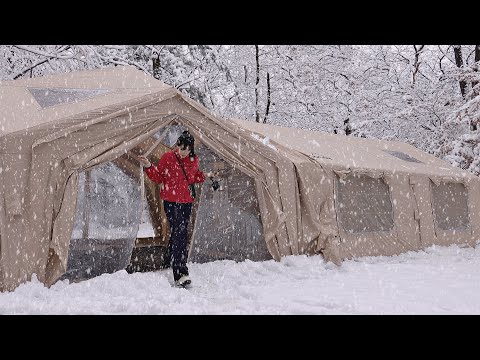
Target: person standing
(176, 170)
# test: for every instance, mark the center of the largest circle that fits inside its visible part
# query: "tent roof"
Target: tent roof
(27, 103)
(353, 152)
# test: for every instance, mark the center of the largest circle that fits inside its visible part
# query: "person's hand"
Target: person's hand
(144, 161)
(211, 174)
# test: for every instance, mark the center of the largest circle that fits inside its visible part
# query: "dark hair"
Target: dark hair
(187, 139)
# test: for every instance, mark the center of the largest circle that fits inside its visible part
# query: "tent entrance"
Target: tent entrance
(225, 224)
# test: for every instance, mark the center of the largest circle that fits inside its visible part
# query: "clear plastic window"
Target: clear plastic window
(363, 204)
(46, 97)
(107, 221)
(402, 156)
(450, 206)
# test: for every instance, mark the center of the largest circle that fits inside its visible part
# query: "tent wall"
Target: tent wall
(392, 232)
(16, 262)
(474, 208)
(415, 226)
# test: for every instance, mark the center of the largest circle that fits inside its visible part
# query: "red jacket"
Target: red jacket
(169, 173)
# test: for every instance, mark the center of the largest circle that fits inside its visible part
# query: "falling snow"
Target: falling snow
(402, 93)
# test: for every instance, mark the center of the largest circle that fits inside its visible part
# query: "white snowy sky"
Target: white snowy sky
(439, 280)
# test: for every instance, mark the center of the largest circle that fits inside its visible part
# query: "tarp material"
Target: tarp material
(54, 127)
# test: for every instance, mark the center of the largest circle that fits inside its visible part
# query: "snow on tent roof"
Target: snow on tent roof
(47, 97)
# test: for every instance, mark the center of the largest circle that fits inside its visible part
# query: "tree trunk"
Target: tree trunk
(257, 81)
(156, 68)
(457, 49)
(477, 59)
(268, 99)
(475, 92)
(416, 63)
(347, 126)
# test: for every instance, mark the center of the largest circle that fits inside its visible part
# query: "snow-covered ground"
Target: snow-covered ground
(440, 280)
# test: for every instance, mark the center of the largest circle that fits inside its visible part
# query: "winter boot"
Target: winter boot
(184, 281)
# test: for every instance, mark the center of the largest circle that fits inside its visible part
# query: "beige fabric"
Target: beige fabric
(349, 152)
(409, 182)
(20, 111)
(296, 172)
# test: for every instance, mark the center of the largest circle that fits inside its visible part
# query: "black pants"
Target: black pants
(178, 215)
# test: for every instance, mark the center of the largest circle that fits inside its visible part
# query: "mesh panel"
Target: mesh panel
(363, 204)
(106, 222)
(450, 206)
(228, 224)
(173, 132)
(51, 97)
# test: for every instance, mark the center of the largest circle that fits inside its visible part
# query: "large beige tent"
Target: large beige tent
(284, 191)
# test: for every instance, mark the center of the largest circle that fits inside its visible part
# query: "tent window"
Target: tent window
(402, 156)
(450, 206)
(173, 132)
(47, 97)
(363, 204)
(106, 222)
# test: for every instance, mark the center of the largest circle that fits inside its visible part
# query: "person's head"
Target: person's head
(186, 144)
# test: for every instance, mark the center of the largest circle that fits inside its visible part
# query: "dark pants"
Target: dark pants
(178, 215)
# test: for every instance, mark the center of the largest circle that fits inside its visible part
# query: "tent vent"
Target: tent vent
(403, 156)
(316, 156)
(47, 97)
